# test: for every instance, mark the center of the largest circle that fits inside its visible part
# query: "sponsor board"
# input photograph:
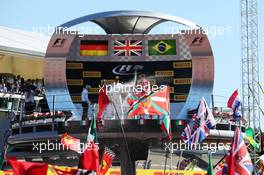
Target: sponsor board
(113, 171)
(107, 81)
(91, 74)
(93, 90)
(179, 81)
(75, 82)
(74, 66)
(164, 73)
(180, 65)
(171, 90)
(161, 73)
(180, 98)
(76, 98)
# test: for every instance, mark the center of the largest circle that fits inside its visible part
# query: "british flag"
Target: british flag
(199, 127)
(238, 160)
(128, 48)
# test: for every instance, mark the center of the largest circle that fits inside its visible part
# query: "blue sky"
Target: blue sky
(30, 14)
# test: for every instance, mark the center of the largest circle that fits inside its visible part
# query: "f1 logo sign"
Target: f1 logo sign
(127, 69)
(197, 41)
(59, 42)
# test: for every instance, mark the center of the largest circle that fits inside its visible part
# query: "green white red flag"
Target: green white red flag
(90, 160)
(165, 126)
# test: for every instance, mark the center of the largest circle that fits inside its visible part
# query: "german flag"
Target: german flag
(94, 48)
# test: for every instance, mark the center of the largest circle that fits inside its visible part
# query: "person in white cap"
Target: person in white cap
(85, 102)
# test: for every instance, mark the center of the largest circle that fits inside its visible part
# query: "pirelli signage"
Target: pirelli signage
(180, 98)
(164, 73)
(75, 82)
(93, 90)
(182, 65)
(172, 90)
(107, 81)
(76, 98)
(74, 66)
(182, 81)
(91, 74)
(176, 74)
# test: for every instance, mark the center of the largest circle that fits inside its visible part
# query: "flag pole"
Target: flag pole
(165, 166)
(171, 157)
(171, 148)
(179, 162)
(123, 133)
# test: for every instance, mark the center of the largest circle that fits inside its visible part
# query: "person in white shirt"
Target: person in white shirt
(3, 88)
(85, 102)
(29, 102)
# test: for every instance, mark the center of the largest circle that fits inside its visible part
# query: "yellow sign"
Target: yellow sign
(74, 66)
(179, 81)
(93, 90)
(113, 171)
(74, 82)
(180, 98)
(180, 65)
(92, 74)
(76, 98)
(107, 81)
(165, 73)
(116, 171)
(171, 90)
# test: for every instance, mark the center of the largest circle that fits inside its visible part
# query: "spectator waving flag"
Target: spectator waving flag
(238, 160)
(234, 103)
(199, 127)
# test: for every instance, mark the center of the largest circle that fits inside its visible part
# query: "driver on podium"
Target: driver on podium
(85, 102)
(143, 86)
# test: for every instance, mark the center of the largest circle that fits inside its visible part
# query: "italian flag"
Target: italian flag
(89, 160)
(180, 122)
(165, 126)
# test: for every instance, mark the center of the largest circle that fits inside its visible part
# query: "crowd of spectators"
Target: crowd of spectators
(30, 88)
(18, 85)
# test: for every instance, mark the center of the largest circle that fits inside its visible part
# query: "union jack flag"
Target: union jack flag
(199, 127)
(238, 160)
(128, 48)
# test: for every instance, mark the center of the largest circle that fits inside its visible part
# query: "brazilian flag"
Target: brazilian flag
(162, 47)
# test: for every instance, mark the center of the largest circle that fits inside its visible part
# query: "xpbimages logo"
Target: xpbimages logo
(58, 146)
(181, 146)
(130, 88)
